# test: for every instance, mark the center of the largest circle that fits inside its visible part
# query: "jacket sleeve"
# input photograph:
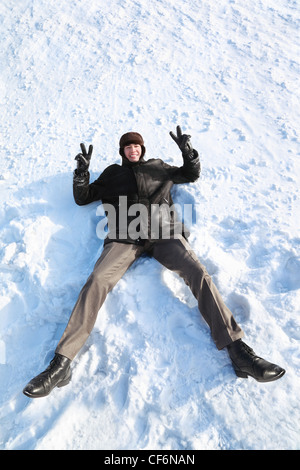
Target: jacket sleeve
(188, 172)
(84, 192)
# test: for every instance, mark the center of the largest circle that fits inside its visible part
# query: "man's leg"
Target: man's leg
(177, 255)
(114, 261)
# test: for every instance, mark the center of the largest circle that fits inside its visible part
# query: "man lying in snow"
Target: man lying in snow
(146, 185)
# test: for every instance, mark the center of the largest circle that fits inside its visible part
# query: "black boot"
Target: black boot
(57, 374)
(246, 362)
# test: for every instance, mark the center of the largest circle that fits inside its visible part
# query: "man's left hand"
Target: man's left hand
(183, 142)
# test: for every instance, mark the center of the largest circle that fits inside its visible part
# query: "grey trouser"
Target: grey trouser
(116, 258)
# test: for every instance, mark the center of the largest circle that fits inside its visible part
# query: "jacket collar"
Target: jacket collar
(127, 163)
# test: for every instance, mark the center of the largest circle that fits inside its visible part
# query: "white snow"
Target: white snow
(149, 376)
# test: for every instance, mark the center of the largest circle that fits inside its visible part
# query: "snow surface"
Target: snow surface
(149, 376)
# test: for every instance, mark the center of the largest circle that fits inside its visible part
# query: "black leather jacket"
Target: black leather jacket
(138, 189)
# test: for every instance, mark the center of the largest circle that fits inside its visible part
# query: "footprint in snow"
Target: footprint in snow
(239, 306)
(119, 392)
(288, 276)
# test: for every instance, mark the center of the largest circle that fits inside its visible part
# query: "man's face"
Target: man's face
(133, 152)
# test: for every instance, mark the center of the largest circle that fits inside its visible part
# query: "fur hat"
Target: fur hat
(131, 138)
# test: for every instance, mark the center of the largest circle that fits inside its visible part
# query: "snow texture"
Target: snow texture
(149, 376)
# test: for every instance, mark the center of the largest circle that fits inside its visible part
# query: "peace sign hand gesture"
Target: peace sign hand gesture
(183, 142)
(83, 159)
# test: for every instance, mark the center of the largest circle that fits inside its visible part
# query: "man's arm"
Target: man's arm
(85, 193)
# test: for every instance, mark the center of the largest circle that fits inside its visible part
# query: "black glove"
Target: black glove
(183, 142)
(83, 159)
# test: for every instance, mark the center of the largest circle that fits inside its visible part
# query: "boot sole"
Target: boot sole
(245, 375)
(63, 383)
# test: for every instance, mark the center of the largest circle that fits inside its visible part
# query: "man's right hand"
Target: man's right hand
(83, 159)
